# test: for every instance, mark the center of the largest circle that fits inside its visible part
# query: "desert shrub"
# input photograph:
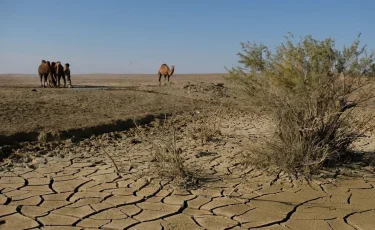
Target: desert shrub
(167, 156)
(313, 93)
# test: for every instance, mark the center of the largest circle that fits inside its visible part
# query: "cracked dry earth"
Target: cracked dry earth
(76, 186)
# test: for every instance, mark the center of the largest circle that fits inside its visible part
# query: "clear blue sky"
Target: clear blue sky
(197, 36)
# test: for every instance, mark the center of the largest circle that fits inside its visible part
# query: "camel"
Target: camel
(45, 72)
(67, 74)
(59, 71)
(52, 74)
(165, 71)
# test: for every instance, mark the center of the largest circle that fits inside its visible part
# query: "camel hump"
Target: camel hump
(43, 61)
(67, 64)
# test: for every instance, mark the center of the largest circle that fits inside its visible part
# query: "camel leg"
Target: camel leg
(69, 80)
(45, 80)
(50, 80)
(63, 77)
(58, 80)
(47, 83)
(168, 78)
(41, 80)
(54, 80)
(159, 79)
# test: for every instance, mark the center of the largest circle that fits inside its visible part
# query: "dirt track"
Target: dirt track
(73, 184)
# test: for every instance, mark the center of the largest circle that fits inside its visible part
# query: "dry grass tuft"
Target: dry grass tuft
(45, 136)
(167, 156)
(203, 125)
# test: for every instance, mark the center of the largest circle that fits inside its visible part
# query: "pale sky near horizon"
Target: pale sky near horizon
(137, 36)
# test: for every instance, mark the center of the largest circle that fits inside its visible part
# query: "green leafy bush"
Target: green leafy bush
(313, 93)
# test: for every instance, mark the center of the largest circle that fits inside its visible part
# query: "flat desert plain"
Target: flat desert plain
(122, 152)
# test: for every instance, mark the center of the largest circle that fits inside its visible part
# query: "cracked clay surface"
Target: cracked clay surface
(76, 186)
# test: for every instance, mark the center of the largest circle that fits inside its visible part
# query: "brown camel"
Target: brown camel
(45, 73)
(53, 74)
(59, 71)
(67, 74)
(165, 71)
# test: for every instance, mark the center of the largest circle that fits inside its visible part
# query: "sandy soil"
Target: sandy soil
(111, 181)
(27, 109)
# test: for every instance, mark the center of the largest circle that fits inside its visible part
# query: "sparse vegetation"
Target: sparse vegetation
(314, 93)
(43, 137)
(167, 155)
(202, 125)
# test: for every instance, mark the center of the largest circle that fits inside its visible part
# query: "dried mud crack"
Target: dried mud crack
(75, 184)
(288, 215)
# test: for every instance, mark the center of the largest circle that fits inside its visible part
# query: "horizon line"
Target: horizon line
(111, 73)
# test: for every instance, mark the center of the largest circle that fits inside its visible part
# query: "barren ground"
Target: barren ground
(61, 176)
(27, 109)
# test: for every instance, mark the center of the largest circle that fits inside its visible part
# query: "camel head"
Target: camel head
(171, 71)
(67, 65)
(58, 63)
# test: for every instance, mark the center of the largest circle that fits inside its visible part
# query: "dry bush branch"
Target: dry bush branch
(113, 161)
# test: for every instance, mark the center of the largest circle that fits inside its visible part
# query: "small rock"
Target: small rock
(38, 160)
(135, 141)
(31, 166)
